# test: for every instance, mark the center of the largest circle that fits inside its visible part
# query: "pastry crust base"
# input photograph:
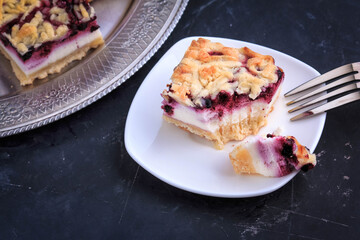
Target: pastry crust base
(226, 133)
(242, 161)
(55, 67)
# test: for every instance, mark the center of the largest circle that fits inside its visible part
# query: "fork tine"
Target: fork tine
(330, 105)
(343, 80)
(343, 89)
(348, 68)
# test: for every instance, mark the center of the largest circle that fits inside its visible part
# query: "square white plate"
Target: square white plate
(192, 163)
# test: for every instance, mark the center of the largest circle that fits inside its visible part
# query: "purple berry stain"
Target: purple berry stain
(214, 53)
(168, 109)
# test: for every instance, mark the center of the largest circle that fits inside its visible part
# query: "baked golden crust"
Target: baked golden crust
(242, 161)
(208, 68)
(303, 154)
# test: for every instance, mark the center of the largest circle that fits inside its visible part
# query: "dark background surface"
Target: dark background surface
(74, 179)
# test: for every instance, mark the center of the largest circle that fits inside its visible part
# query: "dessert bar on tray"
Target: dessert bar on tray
(41, 37)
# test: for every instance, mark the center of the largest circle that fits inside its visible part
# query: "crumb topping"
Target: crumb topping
(59, 14)
(34, 33)
(209, 68)
(84, 14)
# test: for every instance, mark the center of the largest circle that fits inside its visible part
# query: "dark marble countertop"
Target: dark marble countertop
(73, 179)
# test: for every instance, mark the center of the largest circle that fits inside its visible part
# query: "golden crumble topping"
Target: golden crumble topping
(82, 13)
(59, 14)
(208, 68)
(34, 33)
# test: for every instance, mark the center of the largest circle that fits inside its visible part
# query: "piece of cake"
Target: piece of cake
(41, 37)
(273, 156)
(221, 93)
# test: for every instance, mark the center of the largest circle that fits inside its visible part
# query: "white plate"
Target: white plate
(192, 163)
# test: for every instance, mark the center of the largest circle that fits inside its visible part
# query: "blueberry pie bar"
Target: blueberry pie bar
(41, 37)
(273, 156)
(221, 93)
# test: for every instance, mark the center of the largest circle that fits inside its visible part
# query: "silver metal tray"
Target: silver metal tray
(133, 32)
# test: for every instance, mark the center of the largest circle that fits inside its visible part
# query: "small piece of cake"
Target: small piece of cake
(41, 37)
(221, 93)
(273, 156)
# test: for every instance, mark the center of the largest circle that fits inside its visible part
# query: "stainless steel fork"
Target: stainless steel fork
(342, 79)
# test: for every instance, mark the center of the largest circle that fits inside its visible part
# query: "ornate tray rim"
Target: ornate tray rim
(154, 44)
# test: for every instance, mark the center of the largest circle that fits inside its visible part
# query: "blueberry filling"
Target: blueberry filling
(227, 102)
(214, 53)
(307, 167)
(82, 26)
(289, 160)
(207, 103)
(45, 49)
(220, 113)
(94, 28)
(73, 33)
(28, 55)
(168, 109)
(189, 95)
(63, 4)
(223, 98)
(287, 148)
(4, 40)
